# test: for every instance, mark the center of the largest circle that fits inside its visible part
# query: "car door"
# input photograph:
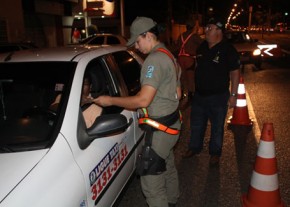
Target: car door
(107, 162)
(128, 67)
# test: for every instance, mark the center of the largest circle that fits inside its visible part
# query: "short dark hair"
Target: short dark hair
(157, 29)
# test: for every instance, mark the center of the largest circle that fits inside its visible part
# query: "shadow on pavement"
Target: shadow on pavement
(246, 148)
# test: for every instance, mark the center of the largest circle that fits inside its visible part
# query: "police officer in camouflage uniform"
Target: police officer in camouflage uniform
(160, 93)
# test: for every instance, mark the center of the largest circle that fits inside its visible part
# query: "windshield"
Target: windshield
(30, 103)
(238, 37)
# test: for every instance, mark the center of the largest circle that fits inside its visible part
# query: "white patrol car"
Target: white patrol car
(48, 156)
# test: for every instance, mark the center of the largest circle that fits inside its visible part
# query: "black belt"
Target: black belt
(168, 120)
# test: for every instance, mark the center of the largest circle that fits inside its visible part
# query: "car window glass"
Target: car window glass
(130, 70)
(23, 47)
(228, 36)
(111, 40)
(238, 37)
(97, 41)
(86, 40)
(92, 83)
(26, 120)
(102, 83)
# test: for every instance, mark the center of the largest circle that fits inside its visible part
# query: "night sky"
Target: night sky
(158, 9)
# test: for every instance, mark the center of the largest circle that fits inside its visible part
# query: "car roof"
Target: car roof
(107, 34)
(101, 34)
(57, 53)
(121, 38)
(15, 46)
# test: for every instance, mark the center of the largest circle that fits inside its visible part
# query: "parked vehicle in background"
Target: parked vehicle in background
(103, 39)
(246, 47)
(280, 27)
(16, 46)
(48, 156)
(236, 27)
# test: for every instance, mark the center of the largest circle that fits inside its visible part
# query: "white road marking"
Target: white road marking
(256, 128)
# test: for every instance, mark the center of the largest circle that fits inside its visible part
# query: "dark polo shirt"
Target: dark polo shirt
(213, 67)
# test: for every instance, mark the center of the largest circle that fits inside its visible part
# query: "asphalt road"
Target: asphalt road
(269, 91)
(204, 186)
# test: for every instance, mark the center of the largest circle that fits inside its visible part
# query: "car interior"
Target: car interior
(26, 121)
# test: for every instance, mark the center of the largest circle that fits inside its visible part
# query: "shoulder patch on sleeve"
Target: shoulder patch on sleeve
(150, 70)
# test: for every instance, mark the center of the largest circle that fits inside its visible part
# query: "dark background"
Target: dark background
(160, 10)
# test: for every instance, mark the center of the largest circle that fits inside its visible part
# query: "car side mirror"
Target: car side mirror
(108, 124)
(105, 125)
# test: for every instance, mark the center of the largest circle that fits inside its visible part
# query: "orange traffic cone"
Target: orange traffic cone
(241, 113)
(264, 189)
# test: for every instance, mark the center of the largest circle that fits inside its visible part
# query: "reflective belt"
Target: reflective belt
(157, 125)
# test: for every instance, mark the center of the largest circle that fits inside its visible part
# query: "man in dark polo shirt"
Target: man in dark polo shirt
(216, 85)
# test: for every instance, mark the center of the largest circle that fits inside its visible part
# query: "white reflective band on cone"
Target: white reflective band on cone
(264, 182)
(241, 102)
(266, 149)
(241, 89)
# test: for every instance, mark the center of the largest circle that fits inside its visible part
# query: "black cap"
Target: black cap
(219, 23)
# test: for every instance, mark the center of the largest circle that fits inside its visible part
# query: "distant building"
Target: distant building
(51, 23)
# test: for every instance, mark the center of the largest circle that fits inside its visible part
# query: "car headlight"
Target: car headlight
(257, 52)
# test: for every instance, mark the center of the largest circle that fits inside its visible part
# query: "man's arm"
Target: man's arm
(234, 76)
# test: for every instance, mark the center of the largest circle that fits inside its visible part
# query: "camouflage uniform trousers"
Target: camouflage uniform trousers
(162, 189)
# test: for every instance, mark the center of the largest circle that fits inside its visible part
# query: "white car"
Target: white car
(246, 47)
(48, 157)
(15, 46)
(104, 39)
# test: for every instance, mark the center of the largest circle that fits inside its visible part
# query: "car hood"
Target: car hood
(245, 47)
(15, 166)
